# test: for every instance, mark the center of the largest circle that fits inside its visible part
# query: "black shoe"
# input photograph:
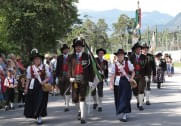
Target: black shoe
(82, 121)
(66, 110)
(99, 109)
(94, 106)
(141, 108)
(137, 105)
(148, 103)
(159, 85)
(123, 120)
(39, 123)
(78, 116)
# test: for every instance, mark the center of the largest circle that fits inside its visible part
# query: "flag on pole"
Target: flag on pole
(95, 65)
(138, 18)
(137, 25)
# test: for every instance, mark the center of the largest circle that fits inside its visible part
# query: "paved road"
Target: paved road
(164, 111)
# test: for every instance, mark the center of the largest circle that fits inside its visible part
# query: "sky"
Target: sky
(172, 7)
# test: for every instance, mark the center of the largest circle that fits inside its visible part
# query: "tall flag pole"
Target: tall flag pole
(148, 36)
(156, 36)
(137, 30)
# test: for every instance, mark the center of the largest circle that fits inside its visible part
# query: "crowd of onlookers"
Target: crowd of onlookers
(13, 79)
(11, 66)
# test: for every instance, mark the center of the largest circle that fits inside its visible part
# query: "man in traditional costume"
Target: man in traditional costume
(81, 75)
(103, 68)
(62, 78)
(140, 66)
(151, 70)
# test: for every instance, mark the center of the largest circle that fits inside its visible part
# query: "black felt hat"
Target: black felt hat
(101, 49)
(65, 46)
(78, 42)
(120, 51)
(137, 45)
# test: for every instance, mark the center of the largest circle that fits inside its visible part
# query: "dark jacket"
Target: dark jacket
(142, 63)
(104, 67)
(59, 67)
(151, 65)
(88, 73)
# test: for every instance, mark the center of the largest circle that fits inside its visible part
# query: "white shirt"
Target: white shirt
(9, 81)
(28, 71)
(112, 68)
(53, 63)
(112, 72)
(79, 54)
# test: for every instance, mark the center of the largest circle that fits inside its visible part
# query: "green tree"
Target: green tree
(122, 30)
(37, 23)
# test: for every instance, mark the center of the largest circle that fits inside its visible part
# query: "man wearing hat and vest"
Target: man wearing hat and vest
(103, 68)
(81, 76)
(62, 78)
(151, 70)
(140, 64)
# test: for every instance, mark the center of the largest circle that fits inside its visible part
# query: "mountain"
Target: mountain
(111, 16)
(174, 23)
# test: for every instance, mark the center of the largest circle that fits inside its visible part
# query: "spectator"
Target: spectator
(11, 83)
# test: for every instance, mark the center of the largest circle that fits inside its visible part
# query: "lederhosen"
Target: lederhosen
(64, 79)
(36, 99)
(151, 70)
(104, 69)
(80, 69)
(10, 92)
(140, 72)
(122, 92)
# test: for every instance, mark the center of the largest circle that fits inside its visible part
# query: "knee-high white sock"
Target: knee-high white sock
(11, 105)
(67, 100)
(100, 102)
(147, 95)
(141, 97)
(82, 110)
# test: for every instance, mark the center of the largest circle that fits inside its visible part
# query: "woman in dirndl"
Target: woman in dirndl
(121, 73)
(36, 99)
(161, 67)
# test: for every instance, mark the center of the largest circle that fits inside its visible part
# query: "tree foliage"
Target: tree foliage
(36, 23)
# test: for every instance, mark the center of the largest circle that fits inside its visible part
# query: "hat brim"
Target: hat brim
(97, 51)
(77, 45)
(143, 47)
(119, 53)
(62, 49)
